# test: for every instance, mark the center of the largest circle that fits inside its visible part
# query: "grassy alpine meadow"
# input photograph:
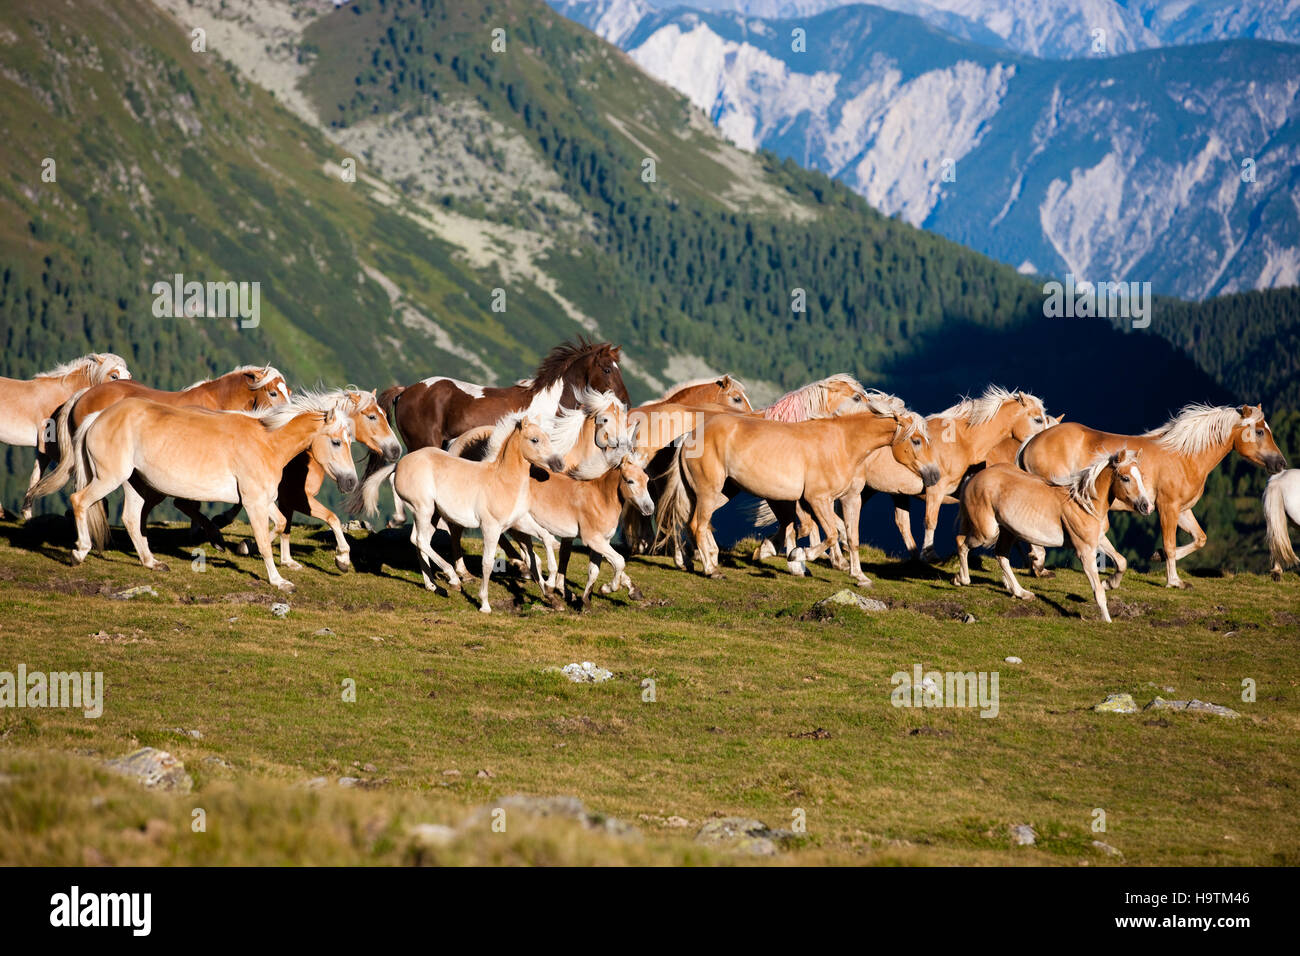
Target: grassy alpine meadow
(761, 707)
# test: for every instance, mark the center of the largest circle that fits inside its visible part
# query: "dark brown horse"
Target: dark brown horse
(430, 413)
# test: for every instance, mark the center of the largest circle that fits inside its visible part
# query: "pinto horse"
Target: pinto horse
(28, 404)
(1003, 504)
(1176, 459)
(153, 451)
(432, 412)
(246, 388)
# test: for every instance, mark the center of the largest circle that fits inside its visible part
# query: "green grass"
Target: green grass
(740, 671)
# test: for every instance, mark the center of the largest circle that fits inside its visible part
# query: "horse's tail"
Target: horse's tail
(56, 478)
(1279, 538)
(364, 499)
(472, 444)
(674, 508)
(756, 513)
(84, 469)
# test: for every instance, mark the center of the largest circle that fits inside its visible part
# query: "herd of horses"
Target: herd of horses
(563, 456)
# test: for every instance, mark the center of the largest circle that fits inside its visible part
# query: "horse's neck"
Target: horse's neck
(292, 438)
(1103, 495)
(982, 439)
(864, 437)
(215, 394)
(1207, 459)
(511, 469)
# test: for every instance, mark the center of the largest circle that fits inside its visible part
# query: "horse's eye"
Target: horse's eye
(335, 442)
(857, 398)
(533, 440)
(916, 442)
(372, 416)
(1124, 478)
(1038, 420)
(1259, 432)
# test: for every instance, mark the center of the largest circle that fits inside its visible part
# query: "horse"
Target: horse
(815, 461)
(567, 508)
(153, 450)
(1005, 451)
(304, 475)
(246, 388)
(721, 390)
(1177, 457)
(29, 403)
(432, 412)
(491, 494)
(1282, 501)
(967, 433)
(1003, 504)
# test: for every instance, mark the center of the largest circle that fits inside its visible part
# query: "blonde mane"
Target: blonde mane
(302, 402)
(266, 374)
(1197, 427)
(544, 410)
(809, 401)
(97, 365)
(978, 411)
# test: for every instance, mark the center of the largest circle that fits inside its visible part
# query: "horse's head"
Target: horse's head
(1253, 440)
(371, 424)
(535, 444)
(845, 396)
(266, 386)
(332, 449)
(1128, 485)
(600, 371)
(731, 394)
(609, 418)
(1055, 420)
(111, 368)
(634, 484)
(912, 447)
(1029, 416)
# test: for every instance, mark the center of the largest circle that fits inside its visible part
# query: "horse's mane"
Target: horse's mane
(469, 388)
(808, 401)
(265, 372)
(306, 401)
(1197, 427)
(543, 409)
(912, 424)
(99, 365)
(693, 383)
(977, 411)
(1083, 483)
(560, 358)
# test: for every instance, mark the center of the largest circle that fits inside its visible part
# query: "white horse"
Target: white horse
(1282, 501)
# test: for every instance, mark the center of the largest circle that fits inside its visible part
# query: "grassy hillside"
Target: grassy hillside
(761, 709)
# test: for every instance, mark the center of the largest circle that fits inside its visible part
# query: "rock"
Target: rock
(192, 734)
(742, 835)
(677, 823)
(1117, 704)
(1012, 660)
(280, 609)
(316, 783)
(432, 834)
(585, 673)
(968, 618)
(1106, 848)
(1194, 706)
(154, 769)
(216, 762)
(322, 632)
(565, 808)
(349, 781)
(485, 774)
(1022, 835)
(370, 768)
(143, 590)
(852, 599)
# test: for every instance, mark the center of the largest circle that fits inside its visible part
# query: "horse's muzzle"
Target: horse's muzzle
(1274, 464)
(392, 451)
(347, 483)
(1144, 506)
(556, 464)
(646, 505)
(929, 476)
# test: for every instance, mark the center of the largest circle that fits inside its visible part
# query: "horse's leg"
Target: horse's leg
(1038, 561)
(1169, 520)
(399, 512)
(824, 511)
(903, 522)
(454, 533)
(593, 572)
(1187, 521)
(132, 505)
(82, 501)
(1121, 563)
(562, 568)
(962, 578)
(37, 467)
(600, 545)
(198, 521)
(1007, 541)
(491, 534)
(933, 499)
(422, 537)
(701, 514)
(1086, 549)
(852, 503)
(342, 560)
(260, 506)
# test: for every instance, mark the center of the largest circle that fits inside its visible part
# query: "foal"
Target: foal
(153, 451)
(1003, 504)
(1282, 501)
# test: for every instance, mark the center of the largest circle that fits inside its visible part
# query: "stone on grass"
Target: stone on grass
(192, 734)
(1106, 848)
(1194, 706)
(143, 590)
(1117, 704)
(154, 769)
(853, 599)
(743, 835)
(1012, 660)
(585, 673)
(562, 808)
(280, 609)
(432, 834)
(1022, 835)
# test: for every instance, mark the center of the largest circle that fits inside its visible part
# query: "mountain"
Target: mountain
(1175, 166)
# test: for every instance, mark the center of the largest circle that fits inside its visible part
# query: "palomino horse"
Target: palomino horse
(1003, 504)
(723, 390)
(153, 451)
(964, 435)
(304, 475)
(27, 404)
(432, 412)
(1176, 459)
(566, 508)
(491, 494)
(246, 388)
(814, 461)
(1282, 501)
(1005, 451)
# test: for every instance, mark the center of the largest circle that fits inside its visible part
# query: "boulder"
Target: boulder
(154, 769)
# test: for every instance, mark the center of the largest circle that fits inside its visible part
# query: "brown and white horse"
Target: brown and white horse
(1002, 504)
(26, 405)
(432, 412)
(816, 461)
(1176, 459)
(153, 451)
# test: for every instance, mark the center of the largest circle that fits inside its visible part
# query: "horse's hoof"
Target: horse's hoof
(160, 566)
(718, 576)
(863, 582)
(454, 586)
(1275, 575)
(1027, 596)
(1158, 555)
(1044, 573)
(394, 524)
(635, 594)
(485, 609)
(343, 562)
(1178, 584)
(929, 556)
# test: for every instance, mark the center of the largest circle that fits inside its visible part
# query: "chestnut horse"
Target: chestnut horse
(815, 461)
(1176, 459)
(1003, 504)
(153, 451)
(432, 412)
(246, 388)
(27, 404)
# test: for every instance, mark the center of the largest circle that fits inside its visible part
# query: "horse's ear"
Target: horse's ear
(616, 353)
(329, 416)
(724, 382)
(1020, 397)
